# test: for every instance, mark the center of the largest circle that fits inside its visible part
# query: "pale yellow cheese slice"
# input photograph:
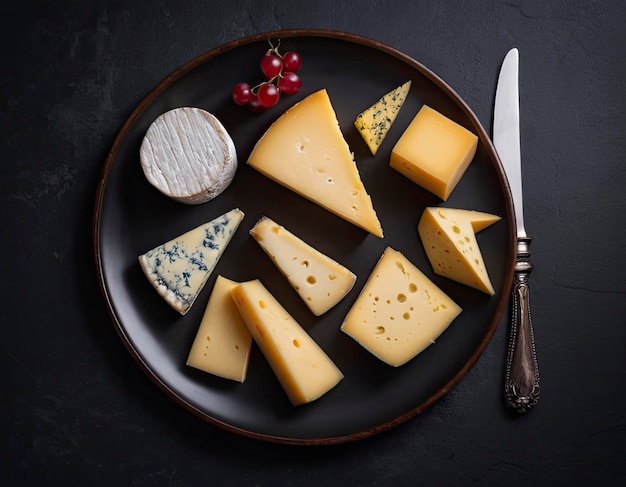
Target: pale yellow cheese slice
(434, 152)
(301, 366)
(399, 312)
(320, 281)
(449, 239)
(304, 150)
(374, 123)
(222, 344)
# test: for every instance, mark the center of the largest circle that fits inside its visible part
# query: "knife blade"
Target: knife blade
(521, 383)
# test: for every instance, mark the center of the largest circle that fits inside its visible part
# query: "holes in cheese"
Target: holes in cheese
(434, 152)
(301, 366)
(449, 239)
(320, 281)
(399, 312)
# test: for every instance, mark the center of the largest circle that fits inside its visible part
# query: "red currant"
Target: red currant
(241, 93)
(255, 105)
(290, 83)
(271, 65)
(268, 95)
(292, 61)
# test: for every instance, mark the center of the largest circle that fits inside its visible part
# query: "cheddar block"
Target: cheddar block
(374, 123)
(449, 239)
(399, 312)
(304, 150)
(222, 344)
(320, 281)
(434, 152)
(301, 366)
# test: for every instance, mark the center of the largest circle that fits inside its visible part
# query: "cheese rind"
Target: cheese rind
(449, 239)
(179, 268)
(320, 281)
(374, 123)
(301, 366)
(399, 312)
(188, 155)
(222, 343)
(304, 150)
(434, 152)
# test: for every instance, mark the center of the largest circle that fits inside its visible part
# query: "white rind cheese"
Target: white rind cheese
(320, 281)
(188, 155)
(399, 312)
(179, 269)
(222, 344)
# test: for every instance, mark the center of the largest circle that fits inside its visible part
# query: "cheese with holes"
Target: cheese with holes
(179, 269)
(304, 150)
(374, 123)
(434, 152)
(222, 344)
(188, 155)
(449, 239)
(320, 281)
(399, 312)
(301, 366)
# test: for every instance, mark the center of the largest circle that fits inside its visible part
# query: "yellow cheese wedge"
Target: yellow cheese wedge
(320, 281)
(222, 344)
(304, 150)
(301, 366)
(449, 239)
(434, 152)
(399, 312)
(374, 123)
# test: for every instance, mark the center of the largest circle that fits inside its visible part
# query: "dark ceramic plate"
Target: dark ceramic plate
(131, 217)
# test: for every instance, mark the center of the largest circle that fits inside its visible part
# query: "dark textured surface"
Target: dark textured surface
(75, 408)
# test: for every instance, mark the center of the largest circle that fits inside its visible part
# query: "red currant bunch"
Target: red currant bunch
(280, 77)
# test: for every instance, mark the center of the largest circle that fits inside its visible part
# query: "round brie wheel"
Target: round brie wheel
(188, 155)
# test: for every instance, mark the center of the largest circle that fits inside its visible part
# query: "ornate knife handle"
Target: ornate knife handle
(521, 386)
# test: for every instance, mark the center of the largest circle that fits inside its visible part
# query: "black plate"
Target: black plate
(131, 217)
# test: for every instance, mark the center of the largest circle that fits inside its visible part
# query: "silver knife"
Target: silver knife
(521, 383)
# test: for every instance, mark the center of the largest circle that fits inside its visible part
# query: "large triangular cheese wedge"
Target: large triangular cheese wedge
(305, 151)
(320, 281)
(179, 269)
(449, 239)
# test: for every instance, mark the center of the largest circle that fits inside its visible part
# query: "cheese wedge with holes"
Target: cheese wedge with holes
(222, 343)
(434, 152)
(449, 239)
(374, 123)
(303, 369)
(188, 155)
(304, 150)
(179, 269)
(399, 312)
(320, 281)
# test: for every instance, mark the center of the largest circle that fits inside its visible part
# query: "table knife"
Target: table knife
(521, 383)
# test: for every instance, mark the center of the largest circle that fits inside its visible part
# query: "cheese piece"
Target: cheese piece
(374, 123)
(449, 239)
(399, 312)
(222, 344)
(320, 281)
(188, 155)
(304, 150)
(434, 152)
(179, 269)
(301, 366)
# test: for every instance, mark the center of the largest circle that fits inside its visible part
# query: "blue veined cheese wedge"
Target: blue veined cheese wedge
(374, 123)
(179, 269)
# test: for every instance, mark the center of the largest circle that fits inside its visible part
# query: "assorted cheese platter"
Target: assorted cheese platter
(296, 268)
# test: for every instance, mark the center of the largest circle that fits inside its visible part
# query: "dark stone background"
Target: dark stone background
(74, 407)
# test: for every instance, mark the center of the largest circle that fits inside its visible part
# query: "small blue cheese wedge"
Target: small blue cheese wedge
(222, 344)
(320, 281)
(449, 239)
(374, 123)
(303, 369)
(399, 312)
(179, 269)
